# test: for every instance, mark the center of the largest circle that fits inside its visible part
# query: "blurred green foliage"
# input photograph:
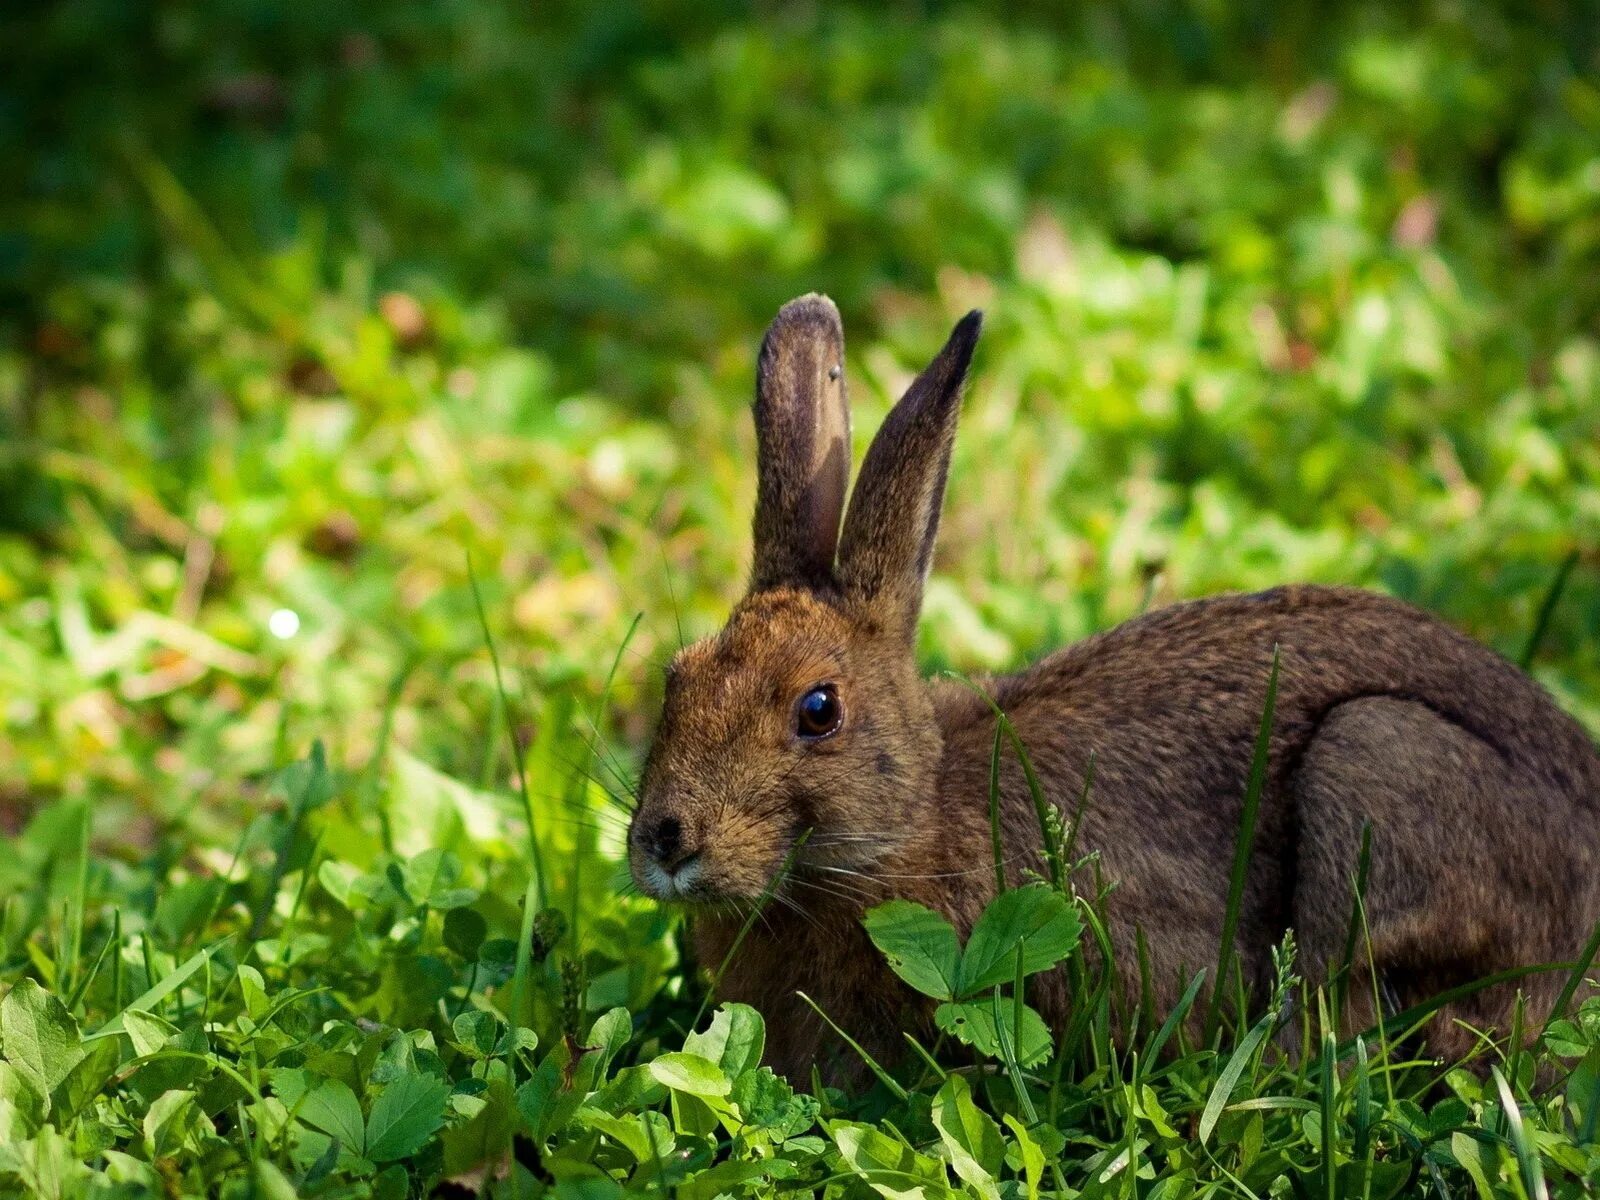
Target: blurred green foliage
(305, 308)
(304, 304)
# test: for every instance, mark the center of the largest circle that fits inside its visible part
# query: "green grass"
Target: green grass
(375, 378)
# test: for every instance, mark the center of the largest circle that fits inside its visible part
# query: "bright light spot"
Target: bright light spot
(284, 623)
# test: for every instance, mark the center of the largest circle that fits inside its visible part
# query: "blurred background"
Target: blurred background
(303, 307)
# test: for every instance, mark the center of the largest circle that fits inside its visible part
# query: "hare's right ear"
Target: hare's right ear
(802, 446)
(887, 545)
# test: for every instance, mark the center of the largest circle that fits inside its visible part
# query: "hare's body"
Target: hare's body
(1483, 797)
(803, 734)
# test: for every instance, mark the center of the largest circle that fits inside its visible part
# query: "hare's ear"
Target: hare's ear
(802, 446)
(887, 544)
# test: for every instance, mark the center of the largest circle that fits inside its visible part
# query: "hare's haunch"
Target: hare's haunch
(806, 718)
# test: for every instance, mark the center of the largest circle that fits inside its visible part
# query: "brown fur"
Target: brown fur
(1484, 798)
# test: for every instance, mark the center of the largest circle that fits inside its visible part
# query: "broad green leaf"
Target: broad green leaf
(544, 1102)
(325, 1104)
(691, 1073)
(607, 1038)
(85, 1081)
(1583, 1091)
(973, 1023)
(271, 1183)
(888, 1165)
(734, 1177)
(430, 874)
(477, 1033)
(48, 1165)
(428, 810)
(464, 931)
(1036, 918)
(146, 1031)
(253, 988)
(41, 1038)
(339, 881)
(630, 1088)
(404, 1116)
(920, 945)
(486, 1135)
(733, 1041)
(184, 908)
(1031, 1154)
(167, 1123)
(1479, 1161)
(769, 1103)
(972, 1140)
(22, 1105)
(647, 1136)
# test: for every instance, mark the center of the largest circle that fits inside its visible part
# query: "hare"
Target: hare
(804, 734)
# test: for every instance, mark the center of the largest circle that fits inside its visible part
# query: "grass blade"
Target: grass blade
(1243, 847)
(1528, 1165)
(1547, 608)
(1575, 980)
(1229, 1079)
(156, 994)
(534, 853)
(1175, 1017)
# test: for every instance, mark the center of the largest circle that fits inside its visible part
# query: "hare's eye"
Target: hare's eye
(819, 713)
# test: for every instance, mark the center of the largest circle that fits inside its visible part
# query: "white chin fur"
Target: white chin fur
(664, 885)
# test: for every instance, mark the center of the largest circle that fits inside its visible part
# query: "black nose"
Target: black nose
(665, 841)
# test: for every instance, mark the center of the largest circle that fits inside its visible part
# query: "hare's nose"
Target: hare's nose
(665, 842)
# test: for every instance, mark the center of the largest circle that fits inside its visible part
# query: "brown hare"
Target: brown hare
(806, 717)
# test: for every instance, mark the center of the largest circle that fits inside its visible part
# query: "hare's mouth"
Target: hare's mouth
(681, 881)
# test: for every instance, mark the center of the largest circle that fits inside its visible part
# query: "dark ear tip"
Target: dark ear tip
(964, 339)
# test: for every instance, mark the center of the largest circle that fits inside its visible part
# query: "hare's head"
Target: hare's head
(803, 729)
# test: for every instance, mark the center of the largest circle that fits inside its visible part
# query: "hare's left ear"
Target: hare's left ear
(886, 546)
(802, 446)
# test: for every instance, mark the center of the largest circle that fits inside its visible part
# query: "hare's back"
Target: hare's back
(1199, 671)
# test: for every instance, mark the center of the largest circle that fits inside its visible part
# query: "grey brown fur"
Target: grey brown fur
(1484, 798)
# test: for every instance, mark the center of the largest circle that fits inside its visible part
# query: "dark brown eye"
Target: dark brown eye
(819, 713)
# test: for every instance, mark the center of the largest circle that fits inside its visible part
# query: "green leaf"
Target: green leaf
(1037, 918)
(431, 875)
(733, 1041)
(973, 1023)
(184, 909)
(464, 931)
(920, 945)
(648, 1136)
(486, 1135)
(146, 1031)
(48, 1165)
(272, 1184)
(85, 1081)
(41, 1039)
(253, 988)
(888, 1165)
(22, 1105)
(972, 1140)
(477, 1033)
(404, 1116)
(769, 1103)
(1031, 1154)
(339, 881)
(691, 1073)
(325, 1104)
(1478, 1160)
(168, 1122)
